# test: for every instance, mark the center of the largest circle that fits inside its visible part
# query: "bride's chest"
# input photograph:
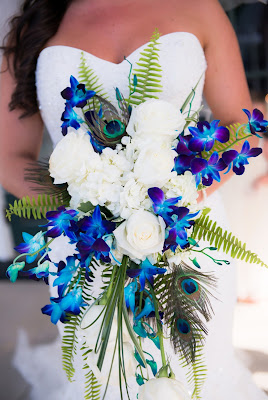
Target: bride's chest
(181, 58)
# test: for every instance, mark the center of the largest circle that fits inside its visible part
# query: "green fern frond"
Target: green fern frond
(148, 73)
(92, 386)
(35, 207)
(70, 340)
(196, 374)
(88, 76)
(238, 133)
(206, 229)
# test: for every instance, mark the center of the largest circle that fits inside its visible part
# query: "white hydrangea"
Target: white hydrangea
(185, 186)
(179, 256)
(134, 197)
(98, 190)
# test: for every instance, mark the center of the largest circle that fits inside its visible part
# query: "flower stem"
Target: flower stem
(33, 254)
(159, 327)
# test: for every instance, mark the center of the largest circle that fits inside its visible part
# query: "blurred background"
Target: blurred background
(247, 212)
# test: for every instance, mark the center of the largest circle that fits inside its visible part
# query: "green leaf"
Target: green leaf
(35, 207)
(89, 77)
(190, 96)
(197, 373)
(146, 77)
(133, 334)
(206, 229)
(86, 207)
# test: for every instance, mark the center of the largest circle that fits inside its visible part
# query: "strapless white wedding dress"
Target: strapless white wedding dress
(183, 62)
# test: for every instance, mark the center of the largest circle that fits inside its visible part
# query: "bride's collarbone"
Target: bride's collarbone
(112, 36)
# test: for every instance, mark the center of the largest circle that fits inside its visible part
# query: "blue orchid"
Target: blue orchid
(95, 226)
(93, 241)
(70, 119)
(66, 272)
(177, 235)
(139, 329)
(39, 272)
(146, 271)
(205, 134)
(208, 170)
(77, 95)
(182, 163)
(256, 123)
(73, 301)
(32, 245)
(130, 291)
(89, 247)
(13, 270)
(155, 339)
(62, 221)
(58, 308)
(239, 160)
(148, 308)
(161, 206)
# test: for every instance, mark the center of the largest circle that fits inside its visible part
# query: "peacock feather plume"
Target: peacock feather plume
(186, 298)
(107, 125)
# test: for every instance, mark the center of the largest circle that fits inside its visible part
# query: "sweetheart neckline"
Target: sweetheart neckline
(125, 59)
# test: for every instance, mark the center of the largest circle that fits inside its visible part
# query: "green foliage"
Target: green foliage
(238, 133)
(35, 207)
(147, 74)
(90, 79)
(208, 230)
(197, 372)
(70, 340)
(92, 386)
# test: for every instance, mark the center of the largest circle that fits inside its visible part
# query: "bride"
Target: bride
(43, 49)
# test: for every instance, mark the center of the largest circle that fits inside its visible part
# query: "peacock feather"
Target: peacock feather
(186, 298)
(38, 174)
(107, 125)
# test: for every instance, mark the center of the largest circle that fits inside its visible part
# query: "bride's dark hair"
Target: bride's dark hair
(36, 23)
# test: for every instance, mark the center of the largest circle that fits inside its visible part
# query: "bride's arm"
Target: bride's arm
(226, 89)
(20, 140)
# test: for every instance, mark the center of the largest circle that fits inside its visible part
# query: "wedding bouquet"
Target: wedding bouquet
(123, 193)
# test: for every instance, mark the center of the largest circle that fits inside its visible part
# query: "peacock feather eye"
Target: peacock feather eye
(189, 287)
(114, 129)
(184, 329)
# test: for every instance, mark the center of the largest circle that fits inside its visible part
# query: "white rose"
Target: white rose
(141, 235)
(154, 165)
(72, 158)
(130, 364)
(95, 316)
(158, 117)
(163, 388)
